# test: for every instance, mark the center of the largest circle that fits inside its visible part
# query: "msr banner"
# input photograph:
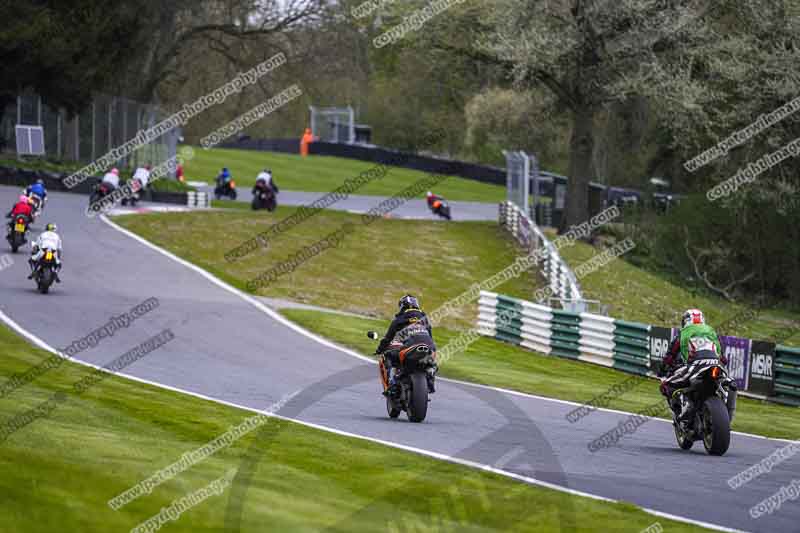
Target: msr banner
(762, 368)
(659, 344)
(737, 350)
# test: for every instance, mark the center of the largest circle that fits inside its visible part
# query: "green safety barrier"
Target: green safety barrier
(787, 375)
(631, 347)
(565, 339)
(631, 352)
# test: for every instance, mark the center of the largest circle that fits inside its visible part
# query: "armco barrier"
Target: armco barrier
(631, 347)
(787, 375)
(53, 181)
(566, 334)
(555, 270)
(627, 346)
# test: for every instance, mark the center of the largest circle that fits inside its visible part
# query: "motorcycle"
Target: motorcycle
(101, 190)
(17, 232)
(225, 189)
(714, 396)
(416, 364)
(264, 198)
(46, 271)
(441, 208)
(38, 205)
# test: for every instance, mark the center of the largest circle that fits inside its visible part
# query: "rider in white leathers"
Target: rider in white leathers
(49, 240)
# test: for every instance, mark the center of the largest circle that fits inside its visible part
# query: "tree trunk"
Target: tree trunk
(580, 168)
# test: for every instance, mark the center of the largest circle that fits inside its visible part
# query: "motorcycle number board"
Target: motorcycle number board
(762, 368)
(20, 228)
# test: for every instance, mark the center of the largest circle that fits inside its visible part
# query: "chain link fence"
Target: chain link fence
(108, 122)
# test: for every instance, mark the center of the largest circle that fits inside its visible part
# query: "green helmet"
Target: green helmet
(51, 227)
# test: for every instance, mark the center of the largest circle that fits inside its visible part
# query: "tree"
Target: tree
(63, 49)
(590, 54)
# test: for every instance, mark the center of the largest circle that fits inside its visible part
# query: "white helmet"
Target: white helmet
(692, 316)
(429, 194)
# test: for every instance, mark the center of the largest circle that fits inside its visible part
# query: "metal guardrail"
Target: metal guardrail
(787, 375)
(561, 280)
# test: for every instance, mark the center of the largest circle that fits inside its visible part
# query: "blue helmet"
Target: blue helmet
(225, 173)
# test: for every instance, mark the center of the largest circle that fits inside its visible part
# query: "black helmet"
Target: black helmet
(408, 302)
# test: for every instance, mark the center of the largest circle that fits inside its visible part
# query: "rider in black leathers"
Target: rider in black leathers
(410, 326)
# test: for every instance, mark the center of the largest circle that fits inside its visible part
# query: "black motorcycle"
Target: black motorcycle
(441, 208)
(18, 231)
(225, 189)
(713, 395)
(101, 190)
(416, 365)
(264, 198)
(46, 271)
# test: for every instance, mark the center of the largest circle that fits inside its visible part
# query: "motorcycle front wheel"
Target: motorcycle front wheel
(392, 410)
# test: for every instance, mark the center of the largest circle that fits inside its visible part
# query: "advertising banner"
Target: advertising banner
(762, 368)
(659, 344)
(737, 350)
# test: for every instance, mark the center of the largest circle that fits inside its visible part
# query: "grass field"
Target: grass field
(60, 471)
(491, 362)
(323, 174)
(378, 263)
(366, 274)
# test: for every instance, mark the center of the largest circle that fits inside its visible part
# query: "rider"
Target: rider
(112, 179)
(143, 175)
(38, 191)
(223, 178)
(696, 340)
(22, 207)
(410, 326)
(47, 240)
(432, 199)
(265, 180)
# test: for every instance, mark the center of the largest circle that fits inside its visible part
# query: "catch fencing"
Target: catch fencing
(559, 276)
(106, 123)
(761, 369)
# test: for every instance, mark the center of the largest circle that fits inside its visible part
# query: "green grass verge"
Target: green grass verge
(437, 261)
(495, 363)
(365, 274)
(60, 471)
(323, 174)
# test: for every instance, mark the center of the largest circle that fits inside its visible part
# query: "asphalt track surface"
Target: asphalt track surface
(355, 203)
(229, 349)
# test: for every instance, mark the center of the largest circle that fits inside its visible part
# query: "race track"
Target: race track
(354, 203)
(229, 349)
